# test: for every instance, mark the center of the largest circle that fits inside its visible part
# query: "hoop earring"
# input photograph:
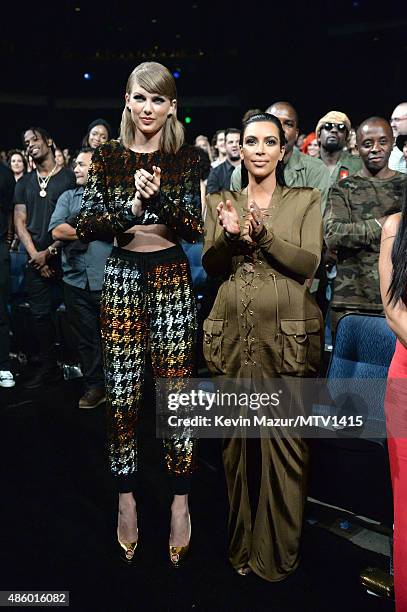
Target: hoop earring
(169, 115)
(128, 109)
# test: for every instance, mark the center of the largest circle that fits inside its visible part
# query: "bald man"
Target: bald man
(299, 170)
(398, 123)
(357, 208)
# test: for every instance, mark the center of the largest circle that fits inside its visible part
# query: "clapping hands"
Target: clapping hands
(229, 220)
(256, 219)
(147, 186)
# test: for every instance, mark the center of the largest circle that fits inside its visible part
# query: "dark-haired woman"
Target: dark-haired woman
(99, 132)
(59, 158)
(144, 190)
(266, 242)
(18, 166)
(17, 163)
(393, 285)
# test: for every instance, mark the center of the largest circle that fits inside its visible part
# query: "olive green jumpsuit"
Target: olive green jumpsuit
(265, 325)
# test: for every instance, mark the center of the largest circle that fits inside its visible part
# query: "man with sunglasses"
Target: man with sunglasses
(398, 124)
(332, 133)
(357, 208)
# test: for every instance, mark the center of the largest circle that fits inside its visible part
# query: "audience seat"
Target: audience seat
(348, 471)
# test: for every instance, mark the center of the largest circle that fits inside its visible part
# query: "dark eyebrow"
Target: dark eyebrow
(269, 136)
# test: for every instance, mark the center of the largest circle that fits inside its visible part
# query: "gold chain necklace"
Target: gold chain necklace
(43, 181)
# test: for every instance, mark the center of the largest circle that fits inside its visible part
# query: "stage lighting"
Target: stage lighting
(87, 76)
(176, 74)
(187, 119)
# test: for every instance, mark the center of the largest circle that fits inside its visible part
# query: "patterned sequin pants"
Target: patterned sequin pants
(147, 306)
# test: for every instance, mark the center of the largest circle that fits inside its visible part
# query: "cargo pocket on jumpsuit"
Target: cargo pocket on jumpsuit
(212, 345)
(301, 346)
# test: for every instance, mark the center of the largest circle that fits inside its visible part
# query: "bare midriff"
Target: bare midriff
(146, 238)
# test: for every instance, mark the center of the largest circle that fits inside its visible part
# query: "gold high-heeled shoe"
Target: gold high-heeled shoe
(178, 553)
(129, 549)
(244, 571)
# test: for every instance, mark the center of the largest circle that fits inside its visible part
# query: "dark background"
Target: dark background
(348, 55)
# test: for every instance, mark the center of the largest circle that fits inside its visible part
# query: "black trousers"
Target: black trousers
(4, 298)
(44, 296)
(83, 310)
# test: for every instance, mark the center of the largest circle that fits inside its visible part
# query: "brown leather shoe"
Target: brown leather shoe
(92, 398)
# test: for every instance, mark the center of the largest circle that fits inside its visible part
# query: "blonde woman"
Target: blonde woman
(203, 143)
(144, 191)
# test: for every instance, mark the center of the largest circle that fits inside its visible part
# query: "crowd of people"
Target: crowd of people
(290, 227)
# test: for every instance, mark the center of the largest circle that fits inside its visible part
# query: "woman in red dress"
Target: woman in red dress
(393, 284)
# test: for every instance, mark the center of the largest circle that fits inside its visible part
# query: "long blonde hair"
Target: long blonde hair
(154, 78)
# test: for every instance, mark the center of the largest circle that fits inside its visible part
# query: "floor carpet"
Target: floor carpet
(58, 516)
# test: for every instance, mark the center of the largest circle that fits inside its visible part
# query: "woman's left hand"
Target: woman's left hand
(147, 184)
(256, 219)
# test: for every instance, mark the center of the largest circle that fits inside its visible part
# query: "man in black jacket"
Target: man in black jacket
(7, 183)
(219, 177)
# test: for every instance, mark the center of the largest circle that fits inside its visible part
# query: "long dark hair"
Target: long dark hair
(21, 154)
(85, 141)
(398, 286)
(280, 166)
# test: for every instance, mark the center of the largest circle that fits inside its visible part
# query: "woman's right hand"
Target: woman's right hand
(228, 218)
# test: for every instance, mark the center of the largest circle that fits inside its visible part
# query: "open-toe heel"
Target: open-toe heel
(243, 571)
(127, 550)
(178, 553)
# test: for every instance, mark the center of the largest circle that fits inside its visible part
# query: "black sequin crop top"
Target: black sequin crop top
(109, 193)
